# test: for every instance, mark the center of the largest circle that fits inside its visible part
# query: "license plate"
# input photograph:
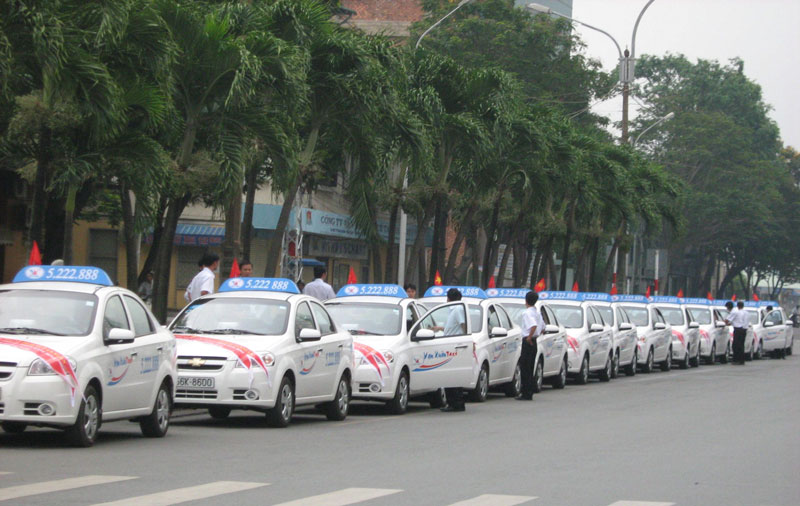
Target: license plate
(191, 382)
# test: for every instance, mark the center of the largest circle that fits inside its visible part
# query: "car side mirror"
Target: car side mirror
(768, 324)
(119, 336)
(551, 329)
(659, 326)
(788, 322)
(423, 335)
(309, 335)
(596, 327)
(625, 326)
(694, 325)
(719, 324)
(498, 332)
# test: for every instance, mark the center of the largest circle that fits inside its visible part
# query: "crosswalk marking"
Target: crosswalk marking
(641, 503)
(180, 495)
(495, 500)
(342, 497)
(46, 487)
(4, 472)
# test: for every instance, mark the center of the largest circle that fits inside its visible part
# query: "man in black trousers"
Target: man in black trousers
(532, 326)
(740, 321)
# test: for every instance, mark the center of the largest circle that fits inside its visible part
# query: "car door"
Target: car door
(514, 340)
(121, 385)
(446, 360)
(774, 328)
(308, 355)
(625, 338)
(333, 348)
(498, 358)
(720, 335)
(150, 347)
(546, 342)
(663, 336)
(596, 352)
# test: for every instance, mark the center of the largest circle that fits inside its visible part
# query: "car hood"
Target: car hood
(68, 346)
(215, 345)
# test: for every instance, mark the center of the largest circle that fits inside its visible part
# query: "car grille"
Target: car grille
(7, 369)
(31, 409)
(238, 395)
(209, 363)
(195, 394)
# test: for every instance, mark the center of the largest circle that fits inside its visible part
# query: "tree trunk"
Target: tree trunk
(163, 260)
(567, 239)
(501, 276)
(609, 267)
(488, 267)
(528, 265)
(43, 161)
(69, 218)
(158, 235)
(54, 217)
(452, 258)
(581, 265)
(249, 206)
(233, 228)
(390, 275)
(131, 239)
(419, 245)
(438, 231)
(592, 280)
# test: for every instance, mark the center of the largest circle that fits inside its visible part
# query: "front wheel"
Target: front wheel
(759, 351)
(685, 363)
(615, 365)
(514, 388)
(560, 381)
(696, 359)
(156, 423)
(399, 404)
(630, 369)
(789, 348)
(650, 364)
(583, 374)
(605, 374)
(84, 431)
(712, 359)
(538, 377)
(481, 390)
(219, 412)
(337, 409)
(666, 364)
(281, 414)
(724, 358)
(749, 356)
(14, 427)
(437, 399)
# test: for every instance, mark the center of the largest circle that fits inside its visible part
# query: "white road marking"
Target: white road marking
(46, 487)
(495, 500)
(180, 495)
(5, 472)
(641, 503)
(342, 497)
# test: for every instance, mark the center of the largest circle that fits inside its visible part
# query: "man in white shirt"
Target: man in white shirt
(740, 321)
(456, 325)
(532, 326)
(203, 282)
(319, 288)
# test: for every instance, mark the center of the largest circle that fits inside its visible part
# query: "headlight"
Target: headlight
(388, 355)
(40, 368)
(269, 359)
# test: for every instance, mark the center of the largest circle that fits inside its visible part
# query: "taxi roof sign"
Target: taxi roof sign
(697, 301)
(561, 295)
(765, 303)
(63, 273)
(281, 285)
(466, 291)
(752, 303)
(722, 302)
(508, 293)
(374, 289)
(597, 296)
(666, 299)
(639, 299)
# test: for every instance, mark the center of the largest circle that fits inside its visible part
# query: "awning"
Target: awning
(310, 262)
(192, 234)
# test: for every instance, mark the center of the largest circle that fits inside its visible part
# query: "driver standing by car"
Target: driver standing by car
(532, 325)
(740, 321)
(456, 325)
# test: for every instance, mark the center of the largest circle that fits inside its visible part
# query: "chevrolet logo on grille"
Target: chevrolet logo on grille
(197, 362)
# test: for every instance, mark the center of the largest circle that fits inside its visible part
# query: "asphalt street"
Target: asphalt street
(717, 435)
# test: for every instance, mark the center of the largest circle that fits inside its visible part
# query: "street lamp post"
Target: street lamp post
(667, 117)
(401, 253)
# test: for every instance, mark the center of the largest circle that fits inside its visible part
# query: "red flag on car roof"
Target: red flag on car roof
(540, 286)
(613, 289)
(575, 287)
(709, 296)
(755, 297)
(35, 257)
(680, 292)
(491, 282)
(235, 272)
(647, 292)
(437, 280)
(734, 297)
(351, 277)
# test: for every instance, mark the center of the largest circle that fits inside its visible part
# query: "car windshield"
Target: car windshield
(234, 316)
(569, 316)
(723, 312)
(46, 312)
(515, 312)
(701, 316)
(753, 314)
(371, 319)
(637, 314)
(673, 315)
(607, 313)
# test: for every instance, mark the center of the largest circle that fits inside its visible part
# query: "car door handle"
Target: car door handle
(160, 349)
(462, 346)
(134, 354)
(341, 346)
(319, 350)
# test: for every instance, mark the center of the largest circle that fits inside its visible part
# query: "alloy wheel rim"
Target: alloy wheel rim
(162, 410)
(286, 401)
(484, 383)
(585, 369)
(517, 379)
(539, 377)
(343, 397)
(90, 413)
(403, 391)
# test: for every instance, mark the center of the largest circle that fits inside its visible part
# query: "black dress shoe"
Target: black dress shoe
(524, 398)
(453, 409)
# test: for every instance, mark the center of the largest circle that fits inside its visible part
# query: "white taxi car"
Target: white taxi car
(685, 332)
(497, 341)
(624, 333)
(551, 350)
(589, 340)
(711, 326)
(260, 345)
(390, 365)
(76, 351)
(654, 333)
(719, 306)
(777, 336)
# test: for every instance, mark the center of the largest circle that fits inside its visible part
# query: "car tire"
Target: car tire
(749, 356)
(630, 369)
(666, 364)
(712, 359)
(219, 412)
(481, 390)
(337, 409)
(281, 414)
(605, 374)
(538, 376)
(615, 366)
(156, 424)
(583, 373)
(83, 432)
(560, 381)
(695, 362)
(14, 427)
(648, 366)
(789, 348)
(399, 404)
(437, 399)
(759, 354)
(514, 388)
(686, 362)
(724, 358)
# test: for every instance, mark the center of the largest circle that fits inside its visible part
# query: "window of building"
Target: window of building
(103, 251)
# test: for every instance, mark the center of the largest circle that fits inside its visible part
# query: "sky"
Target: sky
(763, 33)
